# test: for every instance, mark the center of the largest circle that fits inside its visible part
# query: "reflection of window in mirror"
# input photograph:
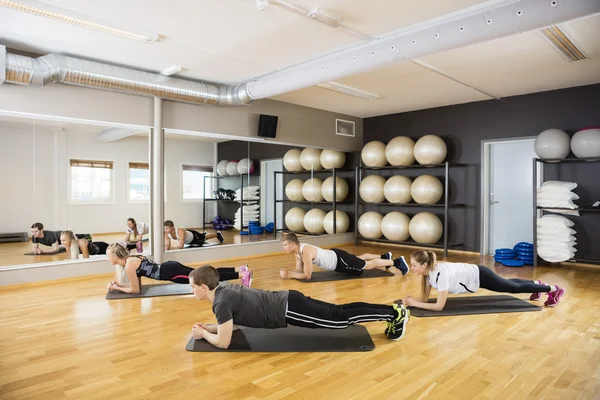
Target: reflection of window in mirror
(139, 182)
(91, 181)
(193, 182)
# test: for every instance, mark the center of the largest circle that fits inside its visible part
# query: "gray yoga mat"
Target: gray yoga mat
(467, 305)
(169, 289)
(325, 276)
(60, 250)
(293, 339)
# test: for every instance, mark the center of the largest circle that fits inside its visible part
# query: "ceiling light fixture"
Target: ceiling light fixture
(338, 87)
(74, 18)
(171, 70)
(558, 38)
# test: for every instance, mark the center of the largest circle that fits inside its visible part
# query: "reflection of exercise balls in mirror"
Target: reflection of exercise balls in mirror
(369, 225)
(552, 143)
(232, 168)
(425, 227)
(294, 219)
(313, 220)
(586, 143)
(311, 190)
(332, 159)
(291, 160)
(371, 189)
(222, 167)
(394, 226)
(430, 149)
(397, 189)
(400, 151)
(341, 189)
(293, 190)
(342, 222)
(427, 189)
(373, 154)
(245, 166)
(310, 158)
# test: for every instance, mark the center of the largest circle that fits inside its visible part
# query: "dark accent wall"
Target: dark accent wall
(464, 126)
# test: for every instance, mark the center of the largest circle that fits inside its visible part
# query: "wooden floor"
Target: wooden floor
(63, 340)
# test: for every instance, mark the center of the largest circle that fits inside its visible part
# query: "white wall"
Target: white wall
(35, 165)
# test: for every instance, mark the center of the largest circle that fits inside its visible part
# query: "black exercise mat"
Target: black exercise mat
(169, 289)
(467, 305)
(325, 276)
(292, 339)
(60, 250)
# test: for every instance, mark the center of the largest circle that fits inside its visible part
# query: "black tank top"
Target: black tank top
(148, 268)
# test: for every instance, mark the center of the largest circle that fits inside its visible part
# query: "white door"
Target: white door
(510, 193)
(267, 201)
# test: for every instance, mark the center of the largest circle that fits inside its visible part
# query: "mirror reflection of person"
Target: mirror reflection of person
(187, 236)
(134, 235)
(85, 247)
(51, 239)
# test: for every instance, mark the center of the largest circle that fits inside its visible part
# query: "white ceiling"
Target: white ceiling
(231, 41)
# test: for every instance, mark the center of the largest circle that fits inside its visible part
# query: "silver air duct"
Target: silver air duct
(493, 19)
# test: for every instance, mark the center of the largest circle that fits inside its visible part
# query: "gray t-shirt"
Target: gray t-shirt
(50, 237)
(253, 308)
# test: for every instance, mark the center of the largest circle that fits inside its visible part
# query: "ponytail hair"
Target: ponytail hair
(73, 244)
(118, 250)
(428, 259)
(134, 229)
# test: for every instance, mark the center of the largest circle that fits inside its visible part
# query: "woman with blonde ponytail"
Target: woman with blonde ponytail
(76, 246)
(454, 278)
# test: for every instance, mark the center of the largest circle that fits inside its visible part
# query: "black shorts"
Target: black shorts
(349, 263)
(95, 248)
(198, 240)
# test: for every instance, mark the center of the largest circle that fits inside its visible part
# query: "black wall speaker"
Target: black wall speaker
(267, 126)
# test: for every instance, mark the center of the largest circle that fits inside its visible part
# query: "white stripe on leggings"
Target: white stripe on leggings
(379, 317)
(346, 323)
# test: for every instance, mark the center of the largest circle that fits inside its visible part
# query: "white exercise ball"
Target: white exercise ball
(425, 227)
(310, 158)
(291, 161)
(586, 143)
(397, 189)
(369, 225)
(311, 190)
(341, 189)
(371, 189)
(400, 151)
(332, 159)
(222, 167)
(294, 219)
(293, 190)
(552, 143)
(430, 149)
(232, 168)
(373, 154)
(427, 189)
(394, 226)
(313, 221)
(342, 222)
(245, 166)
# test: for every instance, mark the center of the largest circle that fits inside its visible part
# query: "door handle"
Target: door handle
(494, 202)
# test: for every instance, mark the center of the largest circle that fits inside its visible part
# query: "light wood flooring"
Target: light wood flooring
(63, 340)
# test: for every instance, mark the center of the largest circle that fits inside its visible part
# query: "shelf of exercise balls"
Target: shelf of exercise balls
(358, 202)
(536, 208)
(286, 230)
(333, 203)
(217, 177)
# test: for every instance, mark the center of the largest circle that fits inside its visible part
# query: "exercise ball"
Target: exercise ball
(394, 226)
(311, 190)
(293, 190)
(332, 159)
(291, 161)
(222, 167)
(245, 166)
(586, 143)
(430, 149)
(425, 227)
(373, 154)
(313, 221)
(342, 222)
(294, 219)
(369, 225)
(397, 189)
(232, 168)
(310, 158)
(371, 189)
(552, 143)
(400, 151)
(341, 189)
(427, 189)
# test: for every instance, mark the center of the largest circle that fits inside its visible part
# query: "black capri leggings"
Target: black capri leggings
(490, 281)
(176, 272)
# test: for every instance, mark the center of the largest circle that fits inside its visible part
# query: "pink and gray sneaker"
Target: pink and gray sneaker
(247, 277)
(139, 247)
(244, 268)
(554, 297)
(537, 295)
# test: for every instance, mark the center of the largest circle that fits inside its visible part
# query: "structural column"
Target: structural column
(157, 188)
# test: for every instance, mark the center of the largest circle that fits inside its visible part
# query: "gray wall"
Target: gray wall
(464, 126)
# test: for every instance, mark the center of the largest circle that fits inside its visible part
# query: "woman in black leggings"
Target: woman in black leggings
(455, 278)
(130, 270)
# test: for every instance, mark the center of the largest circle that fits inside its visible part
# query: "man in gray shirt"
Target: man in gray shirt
(235, 305)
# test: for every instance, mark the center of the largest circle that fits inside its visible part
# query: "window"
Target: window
(91, 181)
(139, 181)
(192, 181)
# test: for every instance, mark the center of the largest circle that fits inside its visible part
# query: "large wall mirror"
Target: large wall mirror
(71, 189)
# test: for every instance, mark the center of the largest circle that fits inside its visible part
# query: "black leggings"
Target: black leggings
(310, 313)
(176, 272)
(490, 281)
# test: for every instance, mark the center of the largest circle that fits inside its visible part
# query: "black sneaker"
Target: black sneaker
(397, 327)
(220, 237)
(387, 256)
(401, 264)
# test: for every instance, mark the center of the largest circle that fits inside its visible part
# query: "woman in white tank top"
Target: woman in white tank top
(333, 260)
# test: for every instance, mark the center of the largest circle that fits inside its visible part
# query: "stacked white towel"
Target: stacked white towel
(555, 238)
(558, 194)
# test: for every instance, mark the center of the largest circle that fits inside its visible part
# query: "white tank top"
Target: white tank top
(325, 259)
(187, 239)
